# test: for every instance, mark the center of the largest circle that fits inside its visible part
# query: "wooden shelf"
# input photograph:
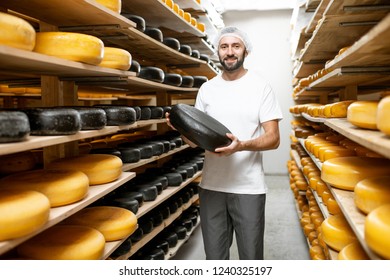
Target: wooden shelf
(317, 16)
(344, 7)
(157, 14)
(32, 63)
(369, 50)
(190, 5)
(130, 166)
(336, 32)
(172, 251)
(36, 142)
(371, 139)
(68, 13)
(58, 214)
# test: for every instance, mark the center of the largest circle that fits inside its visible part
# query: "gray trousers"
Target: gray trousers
(222, 213)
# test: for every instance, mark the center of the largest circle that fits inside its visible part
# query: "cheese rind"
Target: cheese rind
(377, 230)
(346, 172)
(22, 213)
(363, 114)
(61, 187)
(116, 58)
(114, 223)
(72, 46)
(113, 5)
(383, 115)
(353, 251)
(336, 232)
(16, 32)
(64, 242)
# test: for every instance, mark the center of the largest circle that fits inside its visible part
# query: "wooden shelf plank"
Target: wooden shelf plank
(317, 16)
(369, 50)
(371, 139)
(190, 5)
(36, 142)
(157, 14)
(16, 60)
(68, 13)
(342, 7)
(58, 214)
(336, 32)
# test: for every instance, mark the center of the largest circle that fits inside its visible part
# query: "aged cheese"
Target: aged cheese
(99, 168)
(383, 115)
(377, 230)
(372, 192)
(363, 114)
(14, 126)
(22, 213)
(346, 172)
(352, 251)
(329, 152)
(72, 46)
(336, 232)
(114, 223)
(337, 109)
(64, 242)
(114, 5)
(116, 58)
(61, 187)
(16, 32)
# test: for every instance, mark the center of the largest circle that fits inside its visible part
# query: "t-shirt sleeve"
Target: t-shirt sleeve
(270, 108)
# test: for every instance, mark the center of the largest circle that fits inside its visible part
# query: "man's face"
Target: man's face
(231, 53)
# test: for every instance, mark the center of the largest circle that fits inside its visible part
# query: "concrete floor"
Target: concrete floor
(284, 239)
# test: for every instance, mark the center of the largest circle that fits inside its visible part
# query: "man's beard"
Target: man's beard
(232, 67)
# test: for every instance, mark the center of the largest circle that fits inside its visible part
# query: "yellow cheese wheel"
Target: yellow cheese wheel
(383, 115)
(100, 168)
(64, 242)
(372, 192)
(22, 213)
(72, 46)
(337, 109)
(336, 232)
(116, 58)
(332, 206)
(346, 172)
(352, 251)
(19, 162)
(114, 5)
(61, 187)
(363, 114)
(169, 3)
(16, 32)
(316, 252)
(201, 26)
(187, 17)
(114, 223)
(335, 151)
(377, 230)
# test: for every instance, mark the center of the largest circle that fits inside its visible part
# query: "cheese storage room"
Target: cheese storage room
(197, 130)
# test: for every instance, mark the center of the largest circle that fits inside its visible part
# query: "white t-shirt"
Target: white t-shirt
(241, 105)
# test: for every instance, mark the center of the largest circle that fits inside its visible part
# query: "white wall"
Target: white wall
(269, 32)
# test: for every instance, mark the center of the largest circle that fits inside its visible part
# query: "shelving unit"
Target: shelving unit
(60, 80)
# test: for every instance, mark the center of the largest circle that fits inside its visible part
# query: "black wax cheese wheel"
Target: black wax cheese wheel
(124, 248)
(171, 238)
(146, 150)
(119, 114)
(158, 147)
(127, 203)
(187, 223)
(131, 195)
(137, 235)
(140, 21)
(14, 126)
(199, 80)
(53, 121)
(149, 192)
(173, 43)
(173, 79)
(135, 66)
(156, 254)
(181, 232)
(195, 53)
(166, 109)
(157, 219)
(183, 173)
(157, 112)
(174, 178)
(163, 245)
(91, 118)
(130, 155)
(152, 73)
(204, 57)
(198, 127)
(164, 210)
(137, 112)
(187, 81)
(155, 33)
(173, 206)
(186, 49)
(146, 224)
(189, 171)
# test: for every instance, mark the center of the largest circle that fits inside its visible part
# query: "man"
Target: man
(232, 190)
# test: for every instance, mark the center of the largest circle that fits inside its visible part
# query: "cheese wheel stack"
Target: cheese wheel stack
(345, 172)
(16, 32)
(116, 58)
(22, 213)
(363, 114)
(64, 242)
(377, 230)
(61, 187)
(100, 168)
(337, 109)
(114, 223)
(72, 46)
(383, 115)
